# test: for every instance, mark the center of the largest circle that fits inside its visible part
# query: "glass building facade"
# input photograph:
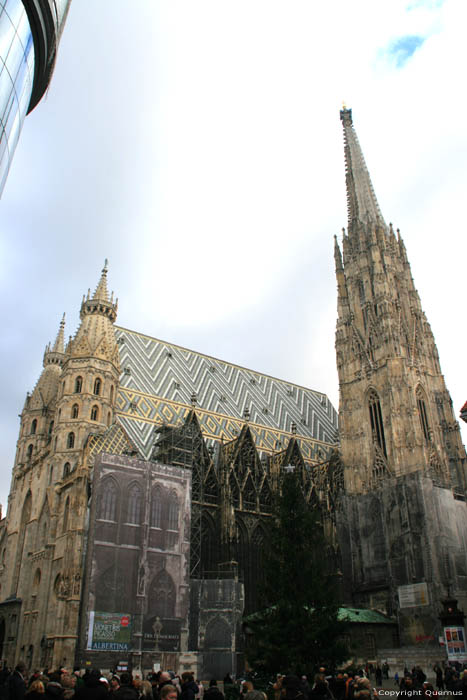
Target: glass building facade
(29, 35)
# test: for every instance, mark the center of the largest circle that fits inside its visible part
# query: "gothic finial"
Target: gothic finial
(101, 292)
(59, 345)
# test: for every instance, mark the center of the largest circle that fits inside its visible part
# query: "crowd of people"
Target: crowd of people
(64, 684)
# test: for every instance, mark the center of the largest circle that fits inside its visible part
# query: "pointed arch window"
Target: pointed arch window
(108, 505)
(134, 505)
(34, 426)
(66, 469)
(29, 452)
(75, 410)
(111, 394)
(376, 420)
(70, 441)
(78, 385)
(173, 512)
(97, 386)
(95, 413)
(156, 508)
(162, 596)
(66, 514)
(422, 413)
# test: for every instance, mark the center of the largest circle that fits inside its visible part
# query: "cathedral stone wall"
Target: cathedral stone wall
(406, 532)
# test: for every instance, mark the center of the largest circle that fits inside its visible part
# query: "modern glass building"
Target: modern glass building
(30, 31)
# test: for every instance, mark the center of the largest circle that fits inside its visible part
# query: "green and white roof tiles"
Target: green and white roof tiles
(160, 382)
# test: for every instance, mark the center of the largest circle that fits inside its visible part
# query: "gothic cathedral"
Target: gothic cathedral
(122, 428)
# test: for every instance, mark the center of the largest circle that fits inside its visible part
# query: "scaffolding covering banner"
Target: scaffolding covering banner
(414, 595)
(109, 631)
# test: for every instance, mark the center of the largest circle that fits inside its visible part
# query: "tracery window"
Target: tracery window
(134, 505)
(376, 420)
(97, 386)
(75, 410)
(162, 596)
(95, 413)
(70, 441)
(173, 512)
(156, 508)
(423, 415)
(78, 385)
(108, 505)
(66, 514)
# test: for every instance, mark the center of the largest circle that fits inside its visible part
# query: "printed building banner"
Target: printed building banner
(109, 631)
(455, 643)
(413, 595)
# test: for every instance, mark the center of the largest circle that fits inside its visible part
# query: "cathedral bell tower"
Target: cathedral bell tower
(403, 521)
(395, 413)
(42, 543)
(89, 378)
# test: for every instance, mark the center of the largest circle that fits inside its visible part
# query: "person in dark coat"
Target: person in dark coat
(189, 688)
(92, 689)
(127, 691)
(213, 692)
(17, 682)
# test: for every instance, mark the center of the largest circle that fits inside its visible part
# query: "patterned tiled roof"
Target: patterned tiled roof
(161, 382)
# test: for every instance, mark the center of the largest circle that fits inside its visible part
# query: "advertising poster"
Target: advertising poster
(413, 595)
(109, 631)
(455, 643)
(162, 634)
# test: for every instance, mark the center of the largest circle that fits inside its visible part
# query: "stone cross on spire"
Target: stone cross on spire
(362, 204)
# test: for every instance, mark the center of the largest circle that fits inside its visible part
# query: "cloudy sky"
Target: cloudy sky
(197, 145)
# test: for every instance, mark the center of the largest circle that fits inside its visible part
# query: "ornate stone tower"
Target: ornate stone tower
(404, 516)
(395, 413)
(42, 542)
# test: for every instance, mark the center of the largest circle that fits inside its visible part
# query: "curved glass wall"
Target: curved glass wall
(16, 78)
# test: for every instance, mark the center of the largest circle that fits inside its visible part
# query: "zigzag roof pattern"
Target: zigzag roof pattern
(160, 382)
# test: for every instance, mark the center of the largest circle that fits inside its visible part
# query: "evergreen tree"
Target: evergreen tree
(298, 627)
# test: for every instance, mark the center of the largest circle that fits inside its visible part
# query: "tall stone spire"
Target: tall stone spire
(395, 413)
(362, 204)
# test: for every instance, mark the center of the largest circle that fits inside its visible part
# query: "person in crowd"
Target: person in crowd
(68, 682)
(93, 688)
(439, 676)
(114, 684)
(164, 679)
(168, 692)
(277, 687)
(35, 691)
(54, 688)
(189, 689)
(378, 675)
(146, 690)
(17, 682)
(213, 692)
(127, 690)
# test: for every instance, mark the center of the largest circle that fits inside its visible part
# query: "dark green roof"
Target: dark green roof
(363, 615)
